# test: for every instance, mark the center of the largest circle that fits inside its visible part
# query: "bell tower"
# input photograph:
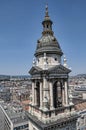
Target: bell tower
(50, 108)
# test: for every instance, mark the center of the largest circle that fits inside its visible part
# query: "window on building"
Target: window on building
(55, 59)
(47, 26)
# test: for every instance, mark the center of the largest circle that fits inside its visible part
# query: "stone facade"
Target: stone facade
(50, 108)
(68, 127)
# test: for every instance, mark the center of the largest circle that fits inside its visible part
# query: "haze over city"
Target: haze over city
(20, 28)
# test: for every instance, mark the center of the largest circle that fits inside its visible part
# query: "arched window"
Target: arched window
(38, 93)
(57, 94)
(47, 26)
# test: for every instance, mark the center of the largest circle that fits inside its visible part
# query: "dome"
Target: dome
(48, 44)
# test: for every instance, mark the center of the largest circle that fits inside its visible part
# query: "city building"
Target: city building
(12, 117)
(15, 89)
(50, 107)
(1, 117)
(5, 94)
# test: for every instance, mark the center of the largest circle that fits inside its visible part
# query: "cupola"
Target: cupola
(47, 43)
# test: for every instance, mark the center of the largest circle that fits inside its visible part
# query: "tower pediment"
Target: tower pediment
(35, 70)
(59, 69)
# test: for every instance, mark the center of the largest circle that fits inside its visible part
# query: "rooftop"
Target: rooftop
(80, 106)
(15, 112)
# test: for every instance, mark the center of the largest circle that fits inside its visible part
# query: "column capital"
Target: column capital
(33, 80)
(50, 80)
(65, 80)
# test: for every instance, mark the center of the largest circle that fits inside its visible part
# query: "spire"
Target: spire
(46, 12)
(47, 23)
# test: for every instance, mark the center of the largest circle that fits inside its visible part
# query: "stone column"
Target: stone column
(33, 101)
(63, 94)
(45, 94)
(41, 101)
(66, 92)
(44, 87)
(51, 96)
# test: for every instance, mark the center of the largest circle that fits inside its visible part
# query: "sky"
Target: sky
(20, 28)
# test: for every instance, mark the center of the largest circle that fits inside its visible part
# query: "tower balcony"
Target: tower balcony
(52, 115)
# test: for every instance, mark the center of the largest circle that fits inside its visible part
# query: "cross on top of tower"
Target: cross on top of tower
(46, 12)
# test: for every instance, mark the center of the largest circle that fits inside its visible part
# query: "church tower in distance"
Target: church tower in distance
(50, 107)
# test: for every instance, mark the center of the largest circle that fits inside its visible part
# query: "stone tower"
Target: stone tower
(50, 108)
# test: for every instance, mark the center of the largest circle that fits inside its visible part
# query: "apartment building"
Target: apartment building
(14, 118)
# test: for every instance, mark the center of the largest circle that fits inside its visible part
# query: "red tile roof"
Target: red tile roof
(80, 106)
